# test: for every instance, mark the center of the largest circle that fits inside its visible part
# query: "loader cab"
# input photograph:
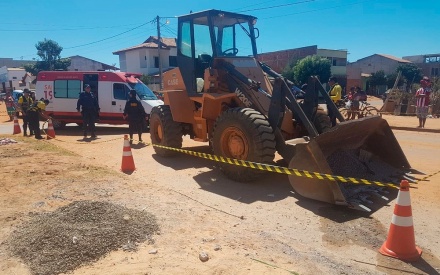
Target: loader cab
(207, 35)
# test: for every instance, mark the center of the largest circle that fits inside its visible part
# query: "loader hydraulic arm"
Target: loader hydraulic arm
(311, 96)
(281, 97)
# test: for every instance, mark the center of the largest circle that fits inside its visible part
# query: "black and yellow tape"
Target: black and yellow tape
(428, 176)
(279, 169)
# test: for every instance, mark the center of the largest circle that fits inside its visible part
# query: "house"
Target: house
(359, 71)
(14, 79)
(11, 63)
(144, 58)
(81, 63)
(279, 60)
(378, 62)
(429, 63)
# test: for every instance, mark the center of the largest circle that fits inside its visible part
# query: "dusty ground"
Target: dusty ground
(254, 228)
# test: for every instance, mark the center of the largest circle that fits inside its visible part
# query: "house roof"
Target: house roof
(152, 43)
(394, 58)
(400, 60)
(104, 66)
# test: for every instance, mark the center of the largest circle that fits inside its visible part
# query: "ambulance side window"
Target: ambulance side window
(67, 88)
(120, 91)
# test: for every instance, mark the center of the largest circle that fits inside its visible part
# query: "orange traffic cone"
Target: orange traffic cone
(17, 129)
(127, 157)
(50, 131)
(401, 242)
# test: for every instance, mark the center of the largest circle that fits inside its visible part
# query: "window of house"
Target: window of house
(14, 77)
(123, 62)
(156, 62)
(432, 59)
(143, 60)
(67, 88)
(434, 71)
(120, 91)
(173, 61)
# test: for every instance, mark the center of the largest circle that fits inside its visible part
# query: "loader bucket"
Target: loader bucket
(365, 148)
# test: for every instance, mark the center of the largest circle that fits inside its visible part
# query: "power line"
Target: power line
(64, 29)
(94, 42)
(104, 39)
(315, 10)
(279, 6)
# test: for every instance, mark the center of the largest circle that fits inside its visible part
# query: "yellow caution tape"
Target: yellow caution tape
(428, 176)
(279, 169)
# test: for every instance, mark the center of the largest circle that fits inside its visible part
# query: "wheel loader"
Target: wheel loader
(220, 93)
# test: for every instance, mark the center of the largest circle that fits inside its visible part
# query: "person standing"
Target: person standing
(89, 110)
(9, 102)
(33, 115)
(422, 100)
(335, 94)
(136, 116)
(25, 101)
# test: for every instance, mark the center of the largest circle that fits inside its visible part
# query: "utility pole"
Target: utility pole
(158, 51)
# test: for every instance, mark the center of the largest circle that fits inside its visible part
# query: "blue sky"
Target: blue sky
(363, 27)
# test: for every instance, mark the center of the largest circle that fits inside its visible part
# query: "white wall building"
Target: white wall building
(144, 58)
(13, 78)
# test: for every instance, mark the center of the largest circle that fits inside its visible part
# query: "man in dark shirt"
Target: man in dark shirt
(89, 110)
(136, 116)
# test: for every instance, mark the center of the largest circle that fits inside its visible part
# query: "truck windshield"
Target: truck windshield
(143, 91)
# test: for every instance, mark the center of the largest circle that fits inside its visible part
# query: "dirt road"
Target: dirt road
(245, 228)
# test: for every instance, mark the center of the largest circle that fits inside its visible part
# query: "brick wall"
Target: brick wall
(280, 59)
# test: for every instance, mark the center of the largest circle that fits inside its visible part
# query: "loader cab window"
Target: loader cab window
(185, 42)
(202, 40)
(233, 38)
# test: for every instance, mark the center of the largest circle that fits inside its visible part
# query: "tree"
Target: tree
(49, 52)
(146, 79)
(391, 79)
(411, 73)
(308, 66)
(376, 79)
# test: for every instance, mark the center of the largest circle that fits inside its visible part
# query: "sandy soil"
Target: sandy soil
(246, 228)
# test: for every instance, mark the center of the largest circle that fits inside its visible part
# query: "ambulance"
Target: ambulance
(62, 89)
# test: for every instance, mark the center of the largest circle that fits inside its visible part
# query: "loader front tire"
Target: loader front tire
(165, 131)
(244, 134)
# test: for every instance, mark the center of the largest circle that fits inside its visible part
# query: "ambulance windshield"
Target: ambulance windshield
(143, 91)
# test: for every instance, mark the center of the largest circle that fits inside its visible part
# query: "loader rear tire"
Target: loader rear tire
(165, 131)
(245, 134)
(322, 122)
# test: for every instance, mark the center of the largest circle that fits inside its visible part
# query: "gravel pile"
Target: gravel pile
(77, 234)
(348, 163)
(6, 141)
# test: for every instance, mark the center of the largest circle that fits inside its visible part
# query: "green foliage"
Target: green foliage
(410, 72)
(146, 79)
(391, 78)
(435, 95)
(308, 66)
(378, 78)
(288, 71)
(50, 60)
